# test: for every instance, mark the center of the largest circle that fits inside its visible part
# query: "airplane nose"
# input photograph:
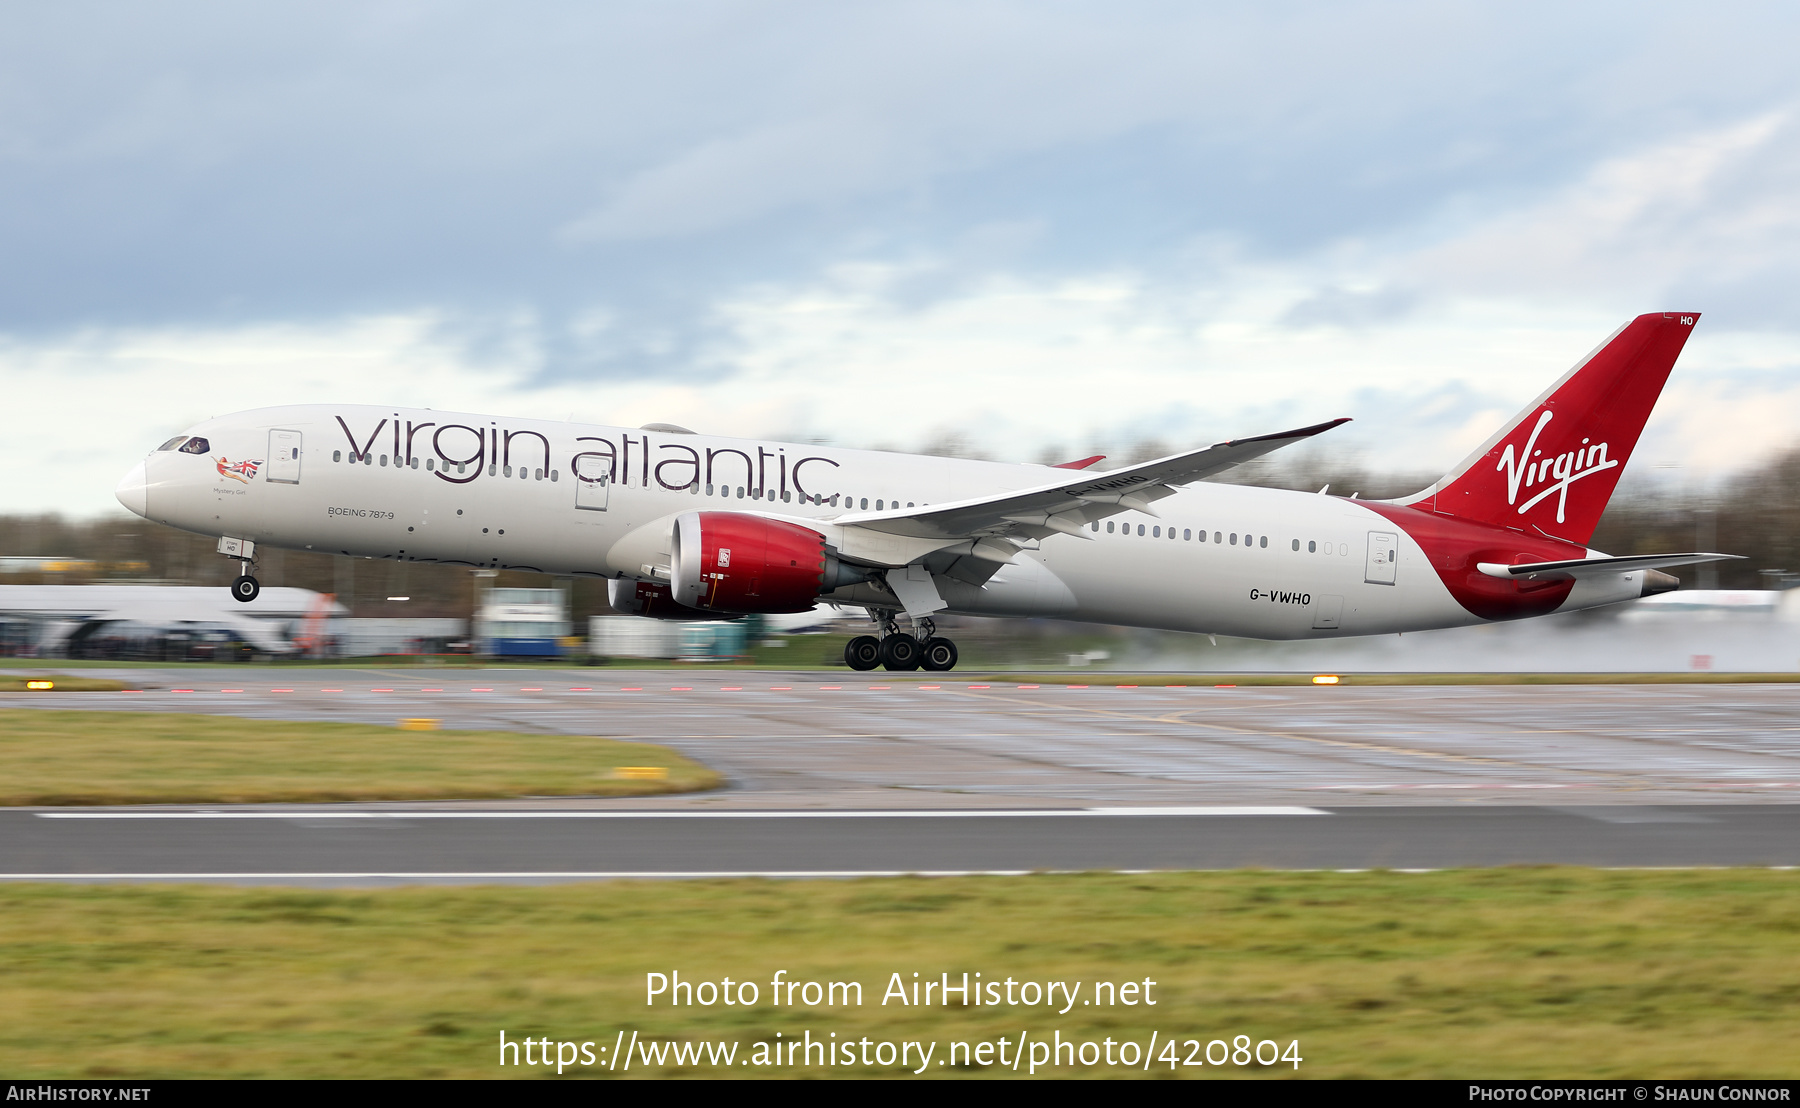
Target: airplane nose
(134, 491)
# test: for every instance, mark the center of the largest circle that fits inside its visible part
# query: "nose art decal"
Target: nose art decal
(237, 471)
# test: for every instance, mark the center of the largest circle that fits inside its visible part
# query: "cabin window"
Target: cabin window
(414, 463)
(553, 475)
(1094, 526)
(785, 498)
(1188, 535)
(1311, 546)
(337, 455)
(195, 445)
(1109, 526)
(709, 490)
(880, 505)
(1156, 532)
(865, 504)
(1296, 544)
(1203, 537)
(740, 492)
(459, 466)
(1264, 543)
(368, 459)
(1234, 538)
(507, 472)
(431, 463)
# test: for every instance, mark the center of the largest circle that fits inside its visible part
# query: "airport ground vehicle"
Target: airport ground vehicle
(685, 525)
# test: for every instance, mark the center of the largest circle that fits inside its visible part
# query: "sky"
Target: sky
(1043, 228)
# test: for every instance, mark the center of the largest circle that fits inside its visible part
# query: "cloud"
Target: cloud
(1012, 367)
(1026, 225)
(1724, 202)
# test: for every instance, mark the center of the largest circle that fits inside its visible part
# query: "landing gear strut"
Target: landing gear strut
(246, 587)
(896, 650)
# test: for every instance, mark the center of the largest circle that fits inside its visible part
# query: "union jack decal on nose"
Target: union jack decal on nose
(237, 471)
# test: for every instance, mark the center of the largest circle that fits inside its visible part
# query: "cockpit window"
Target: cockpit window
(173, 443)
(196, 445)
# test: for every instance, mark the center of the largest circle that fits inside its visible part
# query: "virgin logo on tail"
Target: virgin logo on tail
(1529, 469)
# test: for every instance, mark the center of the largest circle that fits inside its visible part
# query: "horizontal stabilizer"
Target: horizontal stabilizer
(1594, 567)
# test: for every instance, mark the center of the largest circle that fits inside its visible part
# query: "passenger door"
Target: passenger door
(592, 494)
(284, 458)
(1384, 551)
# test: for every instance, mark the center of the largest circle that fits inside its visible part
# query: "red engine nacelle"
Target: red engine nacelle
(731, 562)
(644, 598)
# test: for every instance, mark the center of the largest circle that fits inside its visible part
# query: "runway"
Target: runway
(843, 740)
(839, 774)
(320, 847)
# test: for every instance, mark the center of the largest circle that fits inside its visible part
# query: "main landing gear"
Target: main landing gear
(896, 650)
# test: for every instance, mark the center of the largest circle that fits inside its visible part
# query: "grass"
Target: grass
(52, 757)
(1475, 973)
(63, 683)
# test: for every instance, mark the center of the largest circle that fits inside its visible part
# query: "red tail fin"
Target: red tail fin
(1553, 468)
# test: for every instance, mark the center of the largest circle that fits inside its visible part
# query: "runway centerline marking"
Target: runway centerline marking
(904, 813)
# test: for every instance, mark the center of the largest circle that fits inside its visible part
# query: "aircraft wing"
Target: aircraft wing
(996, 527)
(1593, 567)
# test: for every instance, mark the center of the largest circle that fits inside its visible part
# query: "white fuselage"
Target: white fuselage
(461, 489)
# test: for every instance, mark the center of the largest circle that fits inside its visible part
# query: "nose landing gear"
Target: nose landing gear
(245, 587)
(898, 651)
